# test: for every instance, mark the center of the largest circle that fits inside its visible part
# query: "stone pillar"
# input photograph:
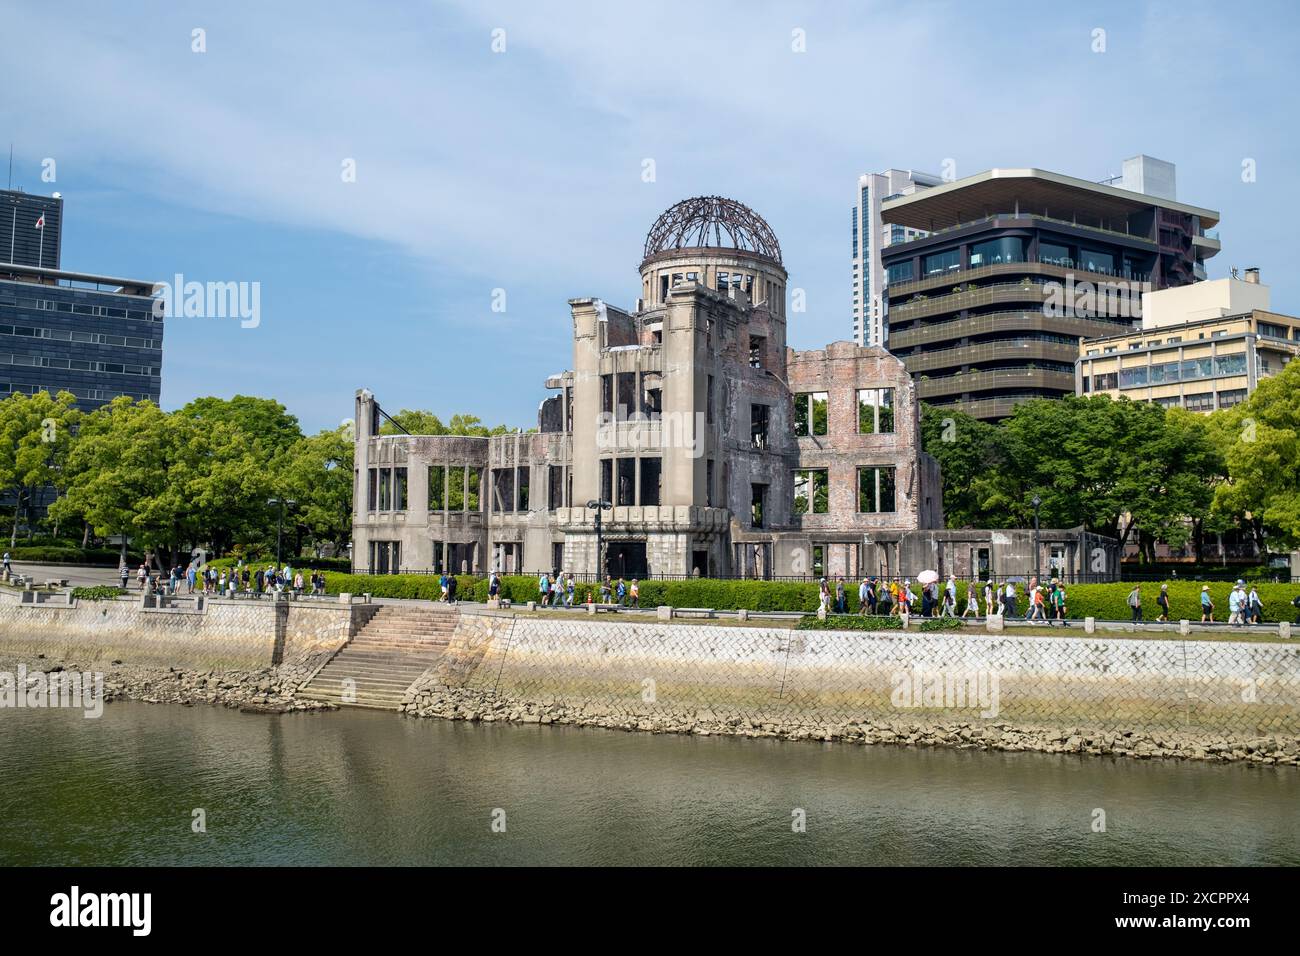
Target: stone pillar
(664, 612)
(993, 622)
(1284, 629)
(1184, 627)
(1090, 625)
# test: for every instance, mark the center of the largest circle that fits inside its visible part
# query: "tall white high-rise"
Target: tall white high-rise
(870, 324)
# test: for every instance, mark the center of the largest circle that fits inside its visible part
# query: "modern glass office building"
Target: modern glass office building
(870, 236)
(1015, 266)
(94, 336)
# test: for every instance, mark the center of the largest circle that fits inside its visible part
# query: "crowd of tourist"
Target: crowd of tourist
(199, 578)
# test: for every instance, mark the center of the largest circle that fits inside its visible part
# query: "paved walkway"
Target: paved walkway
(77, 575)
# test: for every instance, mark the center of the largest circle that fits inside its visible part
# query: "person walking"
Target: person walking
(494, 587)
(1009, 602)
(123, 572)
(636, 593)
(1255, 607)
(1059, 608)
(905, 601)
(841, 602)
(1234, 607)
(568, 591)
(1207, 606)
(442, 586)
(1135, 603)
(621, 592)
(1036, 603)
(7, 567)
(297, 584)
(1162, 599)
(864, 590)
(824, 596)
(949, 608)
(990, 604)
(543, 588)
(451, 589)
(884, 599)
(972, 601)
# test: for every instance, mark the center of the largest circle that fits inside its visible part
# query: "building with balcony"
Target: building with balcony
(870, 236)
(1201, 347)
(987, 307)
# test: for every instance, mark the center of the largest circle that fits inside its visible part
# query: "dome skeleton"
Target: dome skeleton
(692, 223)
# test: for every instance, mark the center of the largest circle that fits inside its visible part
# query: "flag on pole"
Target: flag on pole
(40, 223)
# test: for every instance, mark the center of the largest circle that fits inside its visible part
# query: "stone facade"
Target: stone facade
(688, 417)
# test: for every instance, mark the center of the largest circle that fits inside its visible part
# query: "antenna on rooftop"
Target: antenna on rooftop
(11, 166)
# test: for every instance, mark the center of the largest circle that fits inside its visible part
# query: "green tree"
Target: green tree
(37, 434)
(317, 473)
(1260, 442)
(267, 422)
(967, 450)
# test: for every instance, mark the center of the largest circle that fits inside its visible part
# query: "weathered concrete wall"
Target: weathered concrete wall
(240, 635)
(837, 678)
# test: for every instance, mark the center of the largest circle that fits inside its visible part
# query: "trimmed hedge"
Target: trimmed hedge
(100, 592)
(849, 622)
(305, 564)
(1104, 601)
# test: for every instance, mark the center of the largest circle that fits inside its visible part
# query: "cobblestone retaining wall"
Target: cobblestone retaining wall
(827, 677)
(227, 634)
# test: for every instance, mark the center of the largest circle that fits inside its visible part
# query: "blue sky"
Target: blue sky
(522, 170)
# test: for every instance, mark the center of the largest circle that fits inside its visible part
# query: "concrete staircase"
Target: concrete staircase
(377, 666)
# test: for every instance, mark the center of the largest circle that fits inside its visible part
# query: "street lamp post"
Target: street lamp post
(598, 505)
(280, 504)
(1037, 503)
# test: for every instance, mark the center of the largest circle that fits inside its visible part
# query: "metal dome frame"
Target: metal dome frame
(691, 223)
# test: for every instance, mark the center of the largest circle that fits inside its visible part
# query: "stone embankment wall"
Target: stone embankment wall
(1098, 694)
(225, 635)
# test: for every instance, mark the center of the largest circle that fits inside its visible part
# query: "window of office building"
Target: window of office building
(875, 411)
(1232, 396)
(995, 251)
(1095, 261)
(1230, 365)
(1054, 254)
(1104, 381)
(651, 472)
(1164, 372)
(876, 491)
(810, 413)
(1200, 402)
(1133, 377)
(758, 421)
(899, 272)
(811, 492)
(1276, 331)
(947, 261)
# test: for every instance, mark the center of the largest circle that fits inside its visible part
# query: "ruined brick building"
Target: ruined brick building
(710, 446)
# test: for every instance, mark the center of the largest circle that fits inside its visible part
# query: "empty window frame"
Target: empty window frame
(758, 423)
(875, 411)
(810, 413)
(811, 491)
(876, 490)
(651, 475)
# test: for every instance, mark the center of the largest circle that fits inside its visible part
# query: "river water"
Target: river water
(356, 787)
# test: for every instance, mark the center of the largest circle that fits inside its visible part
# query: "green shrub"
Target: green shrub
(848, 622)
(100, 592)
(1105, 601)
(941, 624)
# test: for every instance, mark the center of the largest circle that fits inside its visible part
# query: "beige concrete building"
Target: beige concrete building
(716, 449)
(1201, 347)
